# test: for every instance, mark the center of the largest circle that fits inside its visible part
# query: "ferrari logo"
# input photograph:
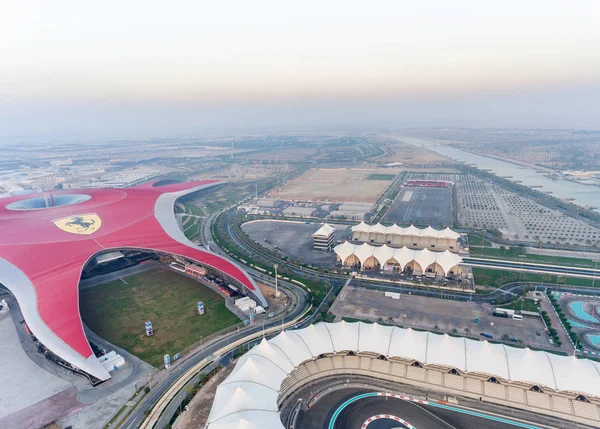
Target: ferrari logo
(79, 224)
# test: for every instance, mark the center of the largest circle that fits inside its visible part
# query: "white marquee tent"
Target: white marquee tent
(403, 256)
(411, 230)
(248, 397)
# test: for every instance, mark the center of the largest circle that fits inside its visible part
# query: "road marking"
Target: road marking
(430, 403)
(389, 417)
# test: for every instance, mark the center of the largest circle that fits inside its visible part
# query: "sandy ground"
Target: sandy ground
(197, 415)
(335, 185)
(276, 305)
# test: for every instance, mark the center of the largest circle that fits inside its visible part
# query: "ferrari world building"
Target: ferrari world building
(46, 241)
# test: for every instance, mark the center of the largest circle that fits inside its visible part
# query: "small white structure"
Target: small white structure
(111, 360)
(245, 303)
(299, 211)
(324, 238)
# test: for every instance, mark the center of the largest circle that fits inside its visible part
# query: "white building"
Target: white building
(299, 211)
(324, 238)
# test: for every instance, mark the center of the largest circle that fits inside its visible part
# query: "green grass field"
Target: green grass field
(117, 311)
(376, 176)
(514, 253)
(490, 277)
(525, 305)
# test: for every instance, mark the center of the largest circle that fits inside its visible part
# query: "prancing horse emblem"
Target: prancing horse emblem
(79, 224)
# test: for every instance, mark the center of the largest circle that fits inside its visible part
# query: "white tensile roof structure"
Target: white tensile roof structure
(324, 231)
(411, 230)
(248, 397)
(403, 255)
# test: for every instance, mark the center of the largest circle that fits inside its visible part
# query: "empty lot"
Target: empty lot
(336, 185)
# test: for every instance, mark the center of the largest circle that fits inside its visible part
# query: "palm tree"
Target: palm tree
(505, 337)
(454, 331)
(435, 328)
(467, 332)
(390, 320)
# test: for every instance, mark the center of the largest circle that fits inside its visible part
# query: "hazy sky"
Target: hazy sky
(110, 67)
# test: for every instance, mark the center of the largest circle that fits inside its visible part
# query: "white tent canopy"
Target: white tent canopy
(248, 397)
(411, 230)
(403, 256)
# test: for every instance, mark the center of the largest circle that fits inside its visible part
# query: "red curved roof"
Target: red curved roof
(52, 259)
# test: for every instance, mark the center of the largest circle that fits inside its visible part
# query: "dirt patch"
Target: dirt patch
(276, 305)
(336, 185)
(410, 155)
(197, 415)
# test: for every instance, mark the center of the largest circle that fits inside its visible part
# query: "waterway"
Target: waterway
(584, 195)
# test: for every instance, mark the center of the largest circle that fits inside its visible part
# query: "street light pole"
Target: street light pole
(276, 290)
(521, 272)
(594, 277)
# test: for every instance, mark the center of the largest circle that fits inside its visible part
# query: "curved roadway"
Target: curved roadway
(138, 414)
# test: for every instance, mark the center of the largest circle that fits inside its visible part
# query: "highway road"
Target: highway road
(529, 267)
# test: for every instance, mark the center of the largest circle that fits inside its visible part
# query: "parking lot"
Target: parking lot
(423, 206)
(294, 239)
(438, 315)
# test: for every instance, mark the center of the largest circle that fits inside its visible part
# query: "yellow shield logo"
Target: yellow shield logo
(79, 224)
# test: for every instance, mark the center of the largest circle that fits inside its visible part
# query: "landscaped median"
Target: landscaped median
(564, 321)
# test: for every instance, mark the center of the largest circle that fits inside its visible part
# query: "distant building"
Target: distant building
(348, 215)
(428, 183)
(268, 203)
(299, 211)
(324, 238)
(353, 210)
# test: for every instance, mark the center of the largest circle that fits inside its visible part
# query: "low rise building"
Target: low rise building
(324, 238)
(299, 211)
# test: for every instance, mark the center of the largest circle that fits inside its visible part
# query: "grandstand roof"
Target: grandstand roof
(403, 255)
(411, 230)
(43, 251)
(241, 401)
